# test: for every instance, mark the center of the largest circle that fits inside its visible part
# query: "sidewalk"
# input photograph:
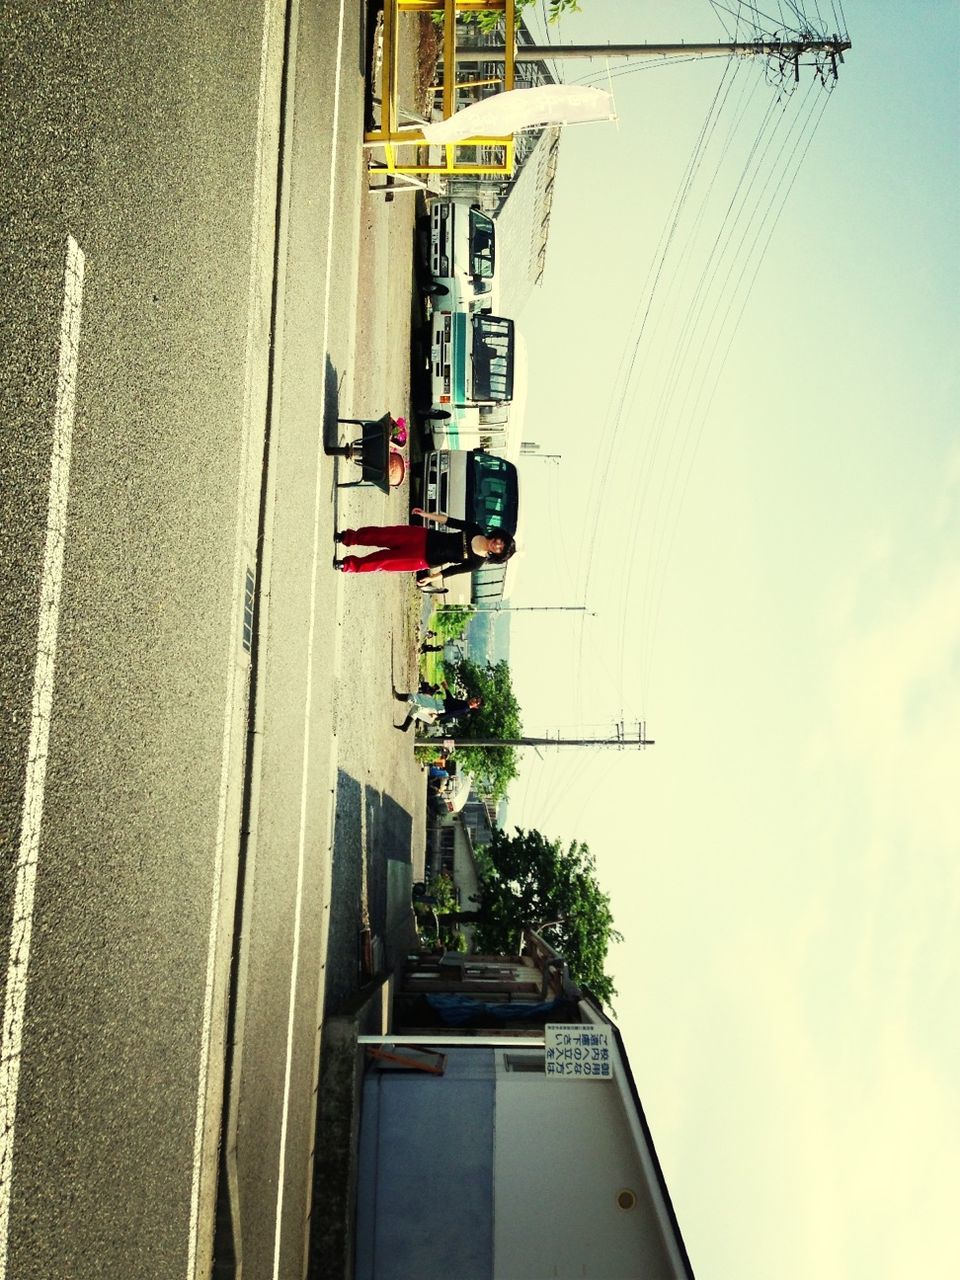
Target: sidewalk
(380, 763)
(333, 1209)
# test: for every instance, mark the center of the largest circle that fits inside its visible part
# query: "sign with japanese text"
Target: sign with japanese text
(577, 1051)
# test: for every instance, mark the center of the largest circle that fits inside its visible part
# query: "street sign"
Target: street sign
(577, 1051)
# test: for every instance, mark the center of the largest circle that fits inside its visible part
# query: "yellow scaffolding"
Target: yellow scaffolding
(392, 134)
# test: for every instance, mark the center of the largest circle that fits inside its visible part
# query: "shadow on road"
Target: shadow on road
(420, 314)
(332, 381)
(331, 405)
(346, 891)
(372, 867)
(389, 865)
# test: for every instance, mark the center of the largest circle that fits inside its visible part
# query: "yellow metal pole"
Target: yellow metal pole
(391, 136)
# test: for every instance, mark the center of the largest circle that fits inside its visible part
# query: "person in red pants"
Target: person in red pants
(461, 546)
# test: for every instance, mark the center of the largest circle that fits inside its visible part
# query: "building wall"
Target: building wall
(523, 226)
(563, 1153)
(425, 1180)
(464, 868)
(486, 1173)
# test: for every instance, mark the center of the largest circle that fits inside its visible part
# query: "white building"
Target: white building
(507, 1142)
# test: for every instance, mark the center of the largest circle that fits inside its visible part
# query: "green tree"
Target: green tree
(487, 19)
(557, 8)
(528, 881)
(493, 768)
(451, 621)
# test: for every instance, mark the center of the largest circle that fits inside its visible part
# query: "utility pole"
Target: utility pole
(619, 740)
(538, 608)
(517, 608)
(785, 51)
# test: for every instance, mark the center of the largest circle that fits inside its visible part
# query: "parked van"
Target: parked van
(471, 376)
(476, 486)
(461, 260)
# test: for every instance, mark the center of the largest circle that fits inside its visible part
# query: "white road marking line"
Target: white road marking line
(235, 676)
(295, 965)
(43, 679)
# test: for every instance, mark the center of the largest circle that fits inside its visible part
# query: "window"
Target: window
(526, 1060)
(492, 358)
(481, 245)
(493, 484)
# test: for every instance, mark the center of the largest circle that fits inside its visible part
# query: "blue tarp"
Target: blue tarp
(465, 1011)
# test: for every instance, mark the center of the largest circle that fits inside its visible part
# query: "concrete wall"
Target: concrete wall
(563, 1153)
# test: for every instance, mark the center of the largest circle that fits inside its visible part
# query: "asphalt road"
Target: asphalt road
(200, 166)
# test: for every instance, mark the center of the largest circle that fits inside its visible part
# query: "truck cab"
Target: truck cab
(471, 376)
(462, 255)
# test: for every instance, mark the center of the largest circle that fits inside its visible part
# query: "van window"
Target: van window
(492, 358)
(492, 484)
(481, 245)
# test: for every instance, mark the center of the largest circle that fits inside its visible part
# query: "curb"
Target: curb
(333, 1209)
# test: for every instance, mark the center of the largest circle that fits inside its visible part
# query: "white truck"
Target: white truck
(471, 368)
(469, 351)
(461, 255)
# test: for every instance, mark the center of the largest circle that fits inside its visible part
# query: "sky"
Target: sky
(757, 512)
